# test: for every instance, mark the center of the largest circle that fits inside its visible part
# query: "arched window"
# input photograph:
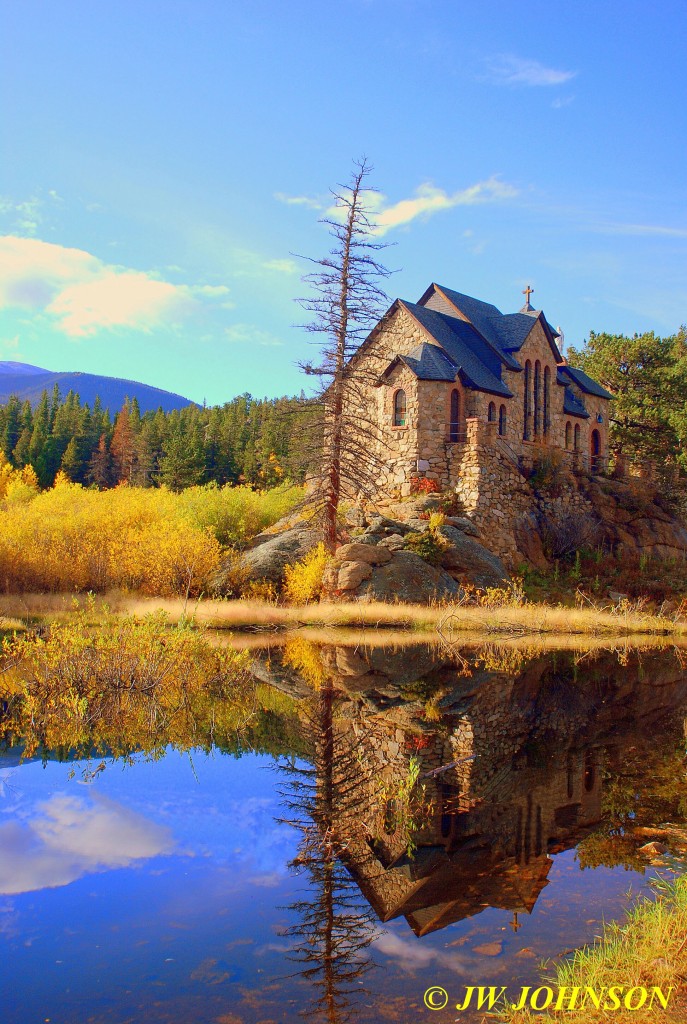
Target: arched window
(454, 420)
(596, 451)
(400, 408)
(547, 399)
(577, 437)
(537, 398)
(568, 434)
(491, 414)
(589, 771)
(502, 421)
(527, 402)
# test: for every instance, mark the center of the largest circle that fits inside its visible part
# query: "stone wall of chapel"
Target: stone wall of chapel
(479, 472)
(397, 446)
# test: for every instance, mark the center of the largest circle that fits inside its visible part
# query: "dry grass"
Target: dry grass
(455, 623)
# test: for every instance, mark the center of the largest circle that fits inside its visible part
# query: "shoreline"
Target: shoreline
(506, 623)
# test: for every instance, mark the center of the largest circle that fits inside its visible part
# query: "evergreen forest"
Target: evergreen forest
(247, 440)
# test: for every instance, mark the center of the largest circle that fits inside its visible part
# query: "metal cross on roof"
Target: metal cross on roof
(527, 292)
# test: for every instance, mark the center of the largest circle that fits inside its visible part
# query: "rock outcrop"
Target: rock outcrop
(268, 559)
(468, 561)
(374, 573)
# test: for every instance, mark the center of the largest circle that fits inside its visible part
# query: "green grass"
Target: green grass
(649, 949)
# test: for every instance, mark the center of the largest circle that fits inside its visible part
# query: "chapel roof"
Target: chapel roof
(572, 405)
(428, 362)
(476, 341)
(478, 365)
(584, 381)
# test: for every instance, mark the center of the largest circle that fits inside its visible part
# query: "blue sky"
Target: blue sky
(160, 162)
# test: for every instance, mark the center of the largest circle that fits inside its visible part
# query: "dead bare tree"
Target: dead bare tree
(347, 303)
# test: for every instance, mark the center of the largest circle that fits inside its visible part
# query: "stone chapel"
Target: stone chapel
(460, 388)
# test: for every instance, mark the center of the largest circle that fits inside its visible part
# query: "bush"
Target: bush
(547, 472)
(303, 580)
(153, 541)
(423, 485)
(567, 532)
(129, 684)
(426, 545)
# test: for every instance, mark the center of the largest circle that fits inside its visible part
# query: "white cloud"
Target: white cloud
(25, 216)
(507, 69)
(71, 837)
(413, 956)
(117, 299)
(310, 201)
(84, 295)
(10, 345)
(211, 290)
(280, 266)
(242, 334)
(427, 200)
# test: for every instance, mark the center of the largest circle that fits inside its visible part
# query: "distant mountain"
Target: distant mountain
(27, 381)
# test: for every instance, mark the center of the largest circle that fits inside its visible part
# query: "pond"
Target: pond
(375, 822)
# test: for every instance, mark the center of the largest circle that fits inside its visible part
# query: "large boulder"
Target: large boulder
(268, 560)
(408, 578)
(349, 575)
(467, 560)
(373, 555)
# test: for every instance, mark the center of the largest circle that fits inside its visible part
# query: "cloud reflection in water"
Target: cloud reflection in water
(73, 836)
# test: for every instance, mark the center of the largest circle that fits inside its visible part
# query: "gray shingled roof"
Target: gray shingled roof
(486, 319)
(585, 382)
(428, 362)
(479, 366)
(572, 405)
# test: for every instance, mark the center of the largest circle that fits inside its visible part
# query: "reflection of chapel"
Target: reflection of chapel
(454, 373)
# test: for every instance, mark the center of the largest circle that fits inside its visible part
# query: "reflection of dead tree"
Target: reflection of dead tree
(335, 925)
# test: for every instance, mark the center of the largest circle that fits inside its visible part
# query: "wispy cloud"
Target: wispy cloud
(428, 200)
(656, 230)
(413, 957)
(311, 201)
(507, 69)
(25, 216)
(243, 334)
(83, 295)
(280, 266)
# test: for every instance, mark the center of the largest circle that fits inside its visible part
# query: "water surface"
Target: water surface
(289, 866)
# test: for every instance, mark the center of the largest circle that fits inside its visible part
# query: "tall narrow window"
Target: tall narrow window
(537, 398)
(568, 434)
(577, 437)
(596, 451)
(400, 408)
(547, 400)
(527, 402)
(454, 421)
(502, 421)
(491, 414)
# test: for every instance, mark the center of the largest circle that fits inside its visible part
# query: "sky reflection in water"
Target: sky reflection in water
(162, 891)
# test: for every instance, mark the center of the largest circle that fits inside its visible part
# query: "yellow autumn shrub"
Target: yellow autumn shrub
(144, 539)
(303, 580)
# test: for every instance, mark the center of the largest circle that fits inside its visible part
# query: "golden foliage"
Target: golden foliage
(305, 658)
(132, 684)
(303, 580)
(16, 481)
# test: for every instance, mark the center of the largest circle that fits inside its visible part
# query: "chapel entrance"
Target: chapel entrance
(596, 452)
